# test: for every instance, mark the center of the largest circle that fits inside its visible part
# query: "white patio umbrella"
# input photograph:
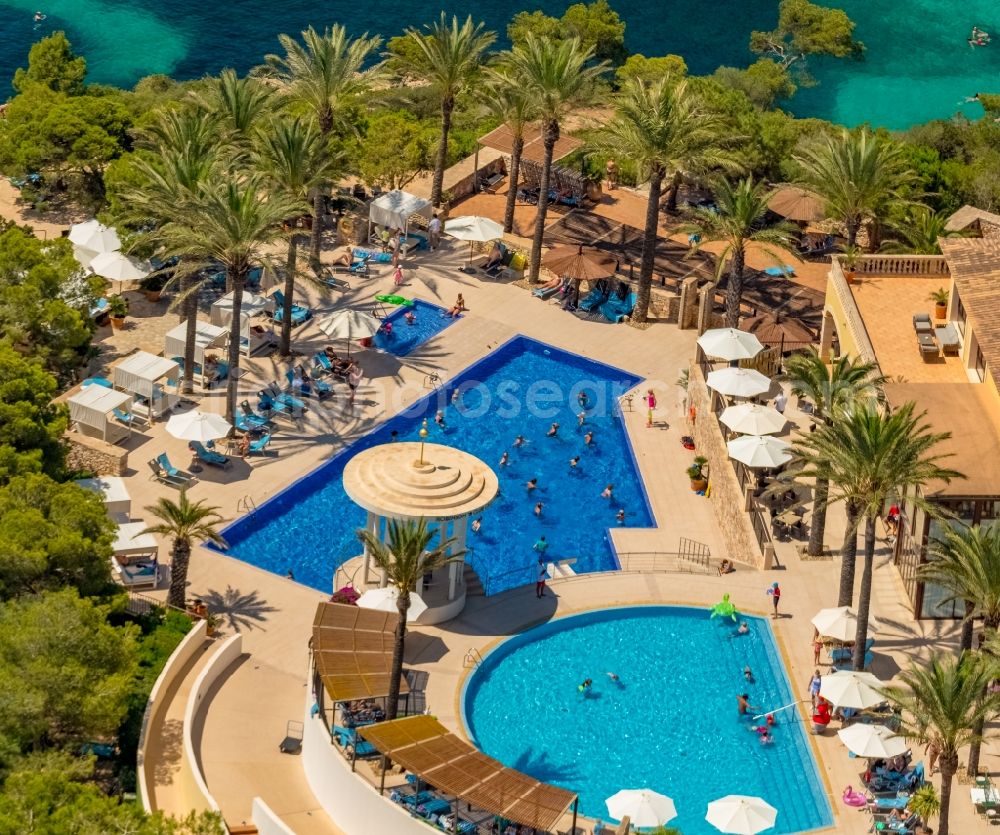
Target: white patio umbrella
(738, 382)
(198, 426)
(850, 688)
(839, 623)
(95, 236)
(384, 600)
(349, 325)
(872, 741)
(759, 450)
(730, 344)
(741, 814)
(117, 267)
(474, 229)
(753, 419)
(642, 807)
(84, 256)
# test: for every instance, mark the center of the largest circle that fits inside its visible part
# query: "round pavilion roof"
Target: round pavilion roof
(392, 481)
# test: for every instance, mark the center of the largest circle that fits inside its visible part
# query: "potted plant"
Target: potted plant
(117, 311)
(696, 472)
(152, 285)
(850, 259)
(940, 299)
(214, 622)
(925, 803)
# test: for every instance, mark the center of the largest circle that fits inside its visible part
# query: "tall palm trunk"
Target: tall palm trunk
(239, 280)
(291, 265)
(865, 596)
(316, 241)
(675, 187)
(550, 139)
(968, 625)
(190, 308)
(817, 531)
(447, 107)
(734, 289)
(515, 175)
(392, 701)
(949, 767)
(180, 557)
(852, 224)
(848, 555)
(989, 625)
(641, 312)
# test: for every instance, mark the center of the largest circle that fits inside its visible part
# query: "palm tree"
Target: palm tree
(183, 521)
(322, 73)
(508, 99)
(559, 75)
(185, 149)
(857, 175)
(292, 155)
(232, 222)
(737, 223)
(920, 232)
(942, 701)
(830, 388)
(405, 557)
(662, 127)
(869, 455)
(448, 57)
(239, 104)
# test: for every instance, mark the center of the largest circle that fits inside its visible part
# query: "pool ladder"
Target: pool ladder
(246, 505)
(472, 658)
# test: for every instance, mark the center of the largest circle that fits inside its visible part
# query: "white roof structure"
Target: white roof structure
(114, 492)
(251, 305)
(130, 541)
(140, 372)
(90, 407)
(394, 208)
(205, 336)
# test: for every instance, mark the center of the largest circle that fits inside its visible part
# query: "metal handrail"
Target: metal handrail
(473, 658)
(246, 505)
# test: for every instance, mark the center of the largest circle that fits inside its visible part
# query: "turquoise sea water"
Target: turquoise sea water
(669, 723)
(918, 65)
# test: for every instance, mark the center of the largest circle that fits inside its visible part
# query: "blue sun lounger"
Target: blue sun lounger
(321, 388)
(348, 739)
(207, 456)
(166, 472)
(300, 315)
(594, 299)
(778, 272)
(618, 310)
(435, 807)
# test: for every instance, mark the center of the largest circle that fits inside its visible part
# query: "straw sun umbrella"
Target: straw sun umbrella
(572, 262)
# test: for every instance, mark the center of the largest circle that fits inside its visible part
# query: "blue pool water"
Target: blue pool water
(521, 388)
(429, 320)
(670, 724)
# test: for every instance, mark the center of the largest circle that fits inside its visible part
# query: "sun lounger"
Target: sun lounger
(300, 315)
(123, 417)
(138, 576)
(166, 472)
(778, 272)
(257, 447)
(594, 299)
(99, 308)
(348, 740)
(545, 291)
(280, 396)
(618, 310)
(948, 339)
(208, 456)
(308, 387)
(434, 807)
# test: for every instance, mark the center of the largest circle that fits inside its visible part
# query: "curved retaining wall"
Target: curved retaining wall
(185, 651)
(222, 658)
(266, 821)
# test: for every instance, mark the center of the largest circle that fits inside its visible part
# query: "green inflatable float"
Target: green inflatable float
(394, 300)
(725, 609)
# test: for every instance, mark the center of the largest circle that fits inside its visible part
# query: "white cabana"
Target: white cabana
(252, 338)
(116, 497)
(207, 337)
(136, 556)
(394, 209)
(92, 411)
(144, 375)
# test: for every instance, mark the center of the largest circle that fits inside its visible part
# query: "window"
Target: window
(980, 364)
(960, 314)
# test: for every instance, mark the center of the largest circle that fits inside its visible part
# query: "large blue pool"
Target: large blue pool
(669, 724)
(521, 388)
(428, 320)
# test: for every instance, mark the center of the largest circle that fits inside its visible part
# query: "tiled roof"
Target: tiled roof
(974, 263)
(967, 216)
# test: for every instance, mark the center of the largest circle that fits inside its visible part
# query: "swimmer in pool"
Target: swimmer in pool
(748, 674)
(620, 516)
(585, 686)
(439, 419)
(743, 704)
(613, 676)
(454, 396)
(477, 524)
(410, 317)
(538, 508)
(504, 459)
(519, 441)
(580, 418)
(744, 629)
(607, 492)
(574, 461)
(531, 485)
(588, 439)
(582, 399)
(553, 430)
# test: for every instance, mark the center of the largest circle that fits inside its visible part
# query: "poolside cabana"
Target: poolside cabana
(394, 209)
(207, 337)
(117, 500)
(252, 305)
(145, 375)
(93, 412)
(411, 481)
(442, 759)
(135, 557)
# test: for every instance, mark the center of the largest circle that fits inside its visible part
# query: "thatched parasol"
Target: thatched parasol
(794, 203)
(570, 261)
(774, 329)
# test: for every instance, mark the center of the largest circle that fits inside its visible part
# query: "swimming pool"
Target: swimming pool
(429, 320)
(669, 724)
(520, 388)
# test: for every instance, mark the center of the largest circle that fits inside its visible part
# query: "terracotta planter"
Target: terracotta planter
(941, 310)
(116, 323)
(699, 486)
(852, 277)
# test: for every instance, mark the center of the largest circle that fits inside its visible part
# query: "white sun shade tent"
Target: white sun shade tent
(144, 375)
(116, 497)
(395, 208)
(251, 339)
(92, 412)
(207, 338)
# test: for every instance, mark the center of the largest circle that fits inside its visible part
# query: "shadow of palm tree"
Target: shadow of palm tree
(240, 610)
(539, 766)
(167, 764)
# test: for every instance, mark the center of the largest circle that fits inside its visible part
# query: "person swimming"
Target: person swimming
(553, 430)
(439, 419)
(39, 17)
(538, 508)
(574, 461)
(743, 705)
(582, 399)
(477, 524)
(608, 492)
(585, 686)
(504, 459)
(531, 485)
(588, 439)
(613, 676)
(748, 674)
(581, 418)
(620, 516)
(744, 629)
(519, 441)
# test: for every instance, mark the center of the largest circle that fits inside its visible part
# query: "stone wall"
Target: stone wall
(727, 497)
(94, 455)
